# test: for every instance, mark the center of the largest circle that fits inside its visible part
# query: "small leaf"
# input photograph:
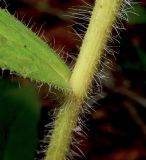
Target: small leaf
(19, 117)
(25, 53)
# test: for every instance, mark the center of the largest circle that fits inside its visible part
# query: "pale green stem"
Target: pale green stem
(62, 134)
(97, 35)
(100, 26)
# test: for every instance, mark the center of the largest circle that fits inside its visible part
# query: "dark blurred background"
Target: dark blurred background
(117, 127)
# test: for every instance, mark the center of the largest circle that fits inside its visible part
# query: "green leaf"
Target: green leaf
(19, 117)
(141, 15)
(25, 53)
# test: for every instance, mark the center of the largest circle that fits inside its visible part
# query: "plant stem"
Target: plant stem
(100, 26)
(97, 35)
(62, 134)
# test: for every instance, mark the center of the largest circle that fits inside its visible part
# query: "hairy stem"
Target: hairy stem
(61, 138)
(100, 26)
(98, 32)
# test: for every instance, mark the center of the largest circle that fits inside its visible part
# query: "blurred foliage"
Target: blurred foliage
(137, 15)
(132, 58)
(19, 117)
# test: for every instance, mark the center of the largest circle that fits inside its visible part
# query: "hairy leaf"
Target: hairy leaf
(26, 54)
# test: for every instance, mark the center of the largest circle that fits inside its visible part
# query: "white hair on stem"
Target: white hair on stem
(80, 17)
